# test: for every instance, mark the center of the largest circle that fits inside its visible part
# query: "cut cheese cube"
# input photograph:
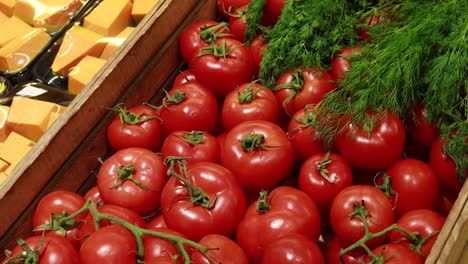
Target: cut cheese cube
(49, 14)
(142, 7)
(109, 18)
(83, 72)
(4, 130)
(18, 53)
(14, 149)
(3, 165)
(3, 17)
(29, 117)
(77, 43)
(13, 28)
(113, 43)
(7, 6)
(54, 115)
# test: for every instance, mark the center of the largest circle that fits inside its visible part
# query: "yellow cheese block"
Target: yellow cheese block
(83, 72)
(54, 115)
(109, 18)
(14, 149)
(4, 130)
(141, 7)
(50, 14)
(29, 117)
(78, 42)
(19, 52)
(113, 43)
(7, 6)
(3, 166)
(3, 17)
(13, 28)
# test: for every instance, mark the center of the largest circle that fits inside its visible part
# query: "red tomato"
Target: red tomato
(156, 247)
(199, 35)
(302, 131)
(297, 88)
(110, 244)
(415, 185)
(222, 250)
(323, 176)
(332, 253)
(132, 178)
(193, 146)
(137, 127)
(444, 167)
(350, 229)
(425, 222)
(94, 195)
(56, 205)
(218, 212)
(238, 23)
(257, 46)
(375, 149)
(284, 210)
(340, 63)
(272, 11)
(259, 153)
(394, 254)
(292, 249)
(251, 101)
(156, 221)
(189, 106)
(128, 215)
(223, 66)
(184, 77)
(422, 131)
(225, 6)
(54, 250)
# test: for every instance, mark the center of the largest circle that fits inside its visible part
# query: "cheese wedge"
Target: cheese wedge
(142, 7)
(13, 28)
(78, 42)
(18, 53)
(14, 149)
(83, 72)
(113, 43)
(29, 117)
(4, 130)
(7, 6)
(49, 14)
(109, 18)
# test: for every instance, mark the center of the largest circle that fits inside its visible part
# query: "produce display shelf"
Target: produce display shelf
(66, 157)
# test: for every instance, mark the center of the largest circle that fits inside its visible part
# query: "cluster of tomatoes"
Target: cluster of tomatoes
(227, 170)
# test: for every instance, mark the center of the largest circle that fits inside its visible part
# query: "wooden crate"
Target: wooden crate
(67, 153)
(66, 156)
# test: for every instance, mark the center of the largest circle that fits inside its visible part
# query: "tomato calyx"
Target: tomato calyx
(248, 95)
(386, 186)
(126, 173)
(262, 205)
(196, 194)
(57, 225)
(218, 51)
(177, 98)
(130, 118)
(193, 137)
(237, 13)
(211, 33)
(322, 167)
(253, 142)
(295, 86)
(29, 256)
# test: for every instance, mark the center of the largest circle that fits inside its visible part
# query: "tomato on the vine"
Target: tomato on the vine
(225, 7)
(340, 62)
(251, 101)
(223, 66)
(137, 127)
(201, 199)
(259, 153)
(221, 250)
(413, 185)
(422, 131)
(283, 211)
(297, 88)
(156, 247)
(394, 254)
(373, 146)
(238, 23)
(332, 253)
(132, 178)
(292, 248)
(357, 203)
(194, 146)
